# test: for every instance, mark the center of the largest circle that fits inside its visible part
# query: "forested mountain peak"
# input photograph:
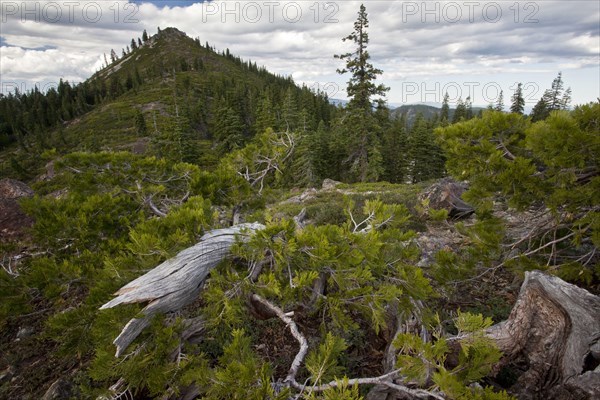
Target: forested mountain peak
(163, 86)
(167, 49)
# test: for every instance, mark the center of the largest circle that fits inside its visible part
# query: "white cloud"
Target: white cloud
(411, 41)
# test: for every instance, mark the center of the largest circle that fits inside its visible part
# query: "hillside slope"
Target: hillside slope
(178, 85)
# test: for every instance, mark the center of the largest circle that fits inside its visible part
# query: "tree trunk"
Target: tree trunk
(554, 328)
(553, 331)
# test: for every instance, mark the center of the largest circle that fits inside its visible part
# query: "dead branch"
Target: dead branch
(506, 153)
(8, 266)
(386, 379)
(365, 222)
(155, 210)
(542, 239)
(300, 218)
(72, 169)
(267, 164)
(297, 362)
(185, 176)
(119, 391)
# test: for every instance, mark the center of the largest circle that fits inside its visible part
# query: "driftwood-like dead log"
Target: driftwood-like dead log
(177, 281)
(554, 327)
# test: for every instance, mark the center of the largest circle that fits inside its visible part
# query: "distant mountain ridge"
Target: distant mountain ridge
(410, 111)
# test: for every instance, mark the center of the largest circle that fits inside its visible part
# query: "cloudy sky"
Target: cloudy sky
(425, 48)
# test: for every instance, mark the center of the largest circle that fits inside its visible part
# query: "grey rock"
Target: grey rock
(14, 189)
(329, 184)
(446, 194)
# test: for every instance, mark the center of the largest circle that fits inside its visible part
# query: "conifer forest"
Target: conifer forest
(186, 224)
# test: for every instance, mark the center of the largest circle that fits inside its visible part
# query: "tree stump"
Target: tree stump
(554, 327)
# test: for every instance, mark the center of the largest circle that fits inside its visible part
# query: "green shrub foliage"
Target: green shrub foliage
(548, 168)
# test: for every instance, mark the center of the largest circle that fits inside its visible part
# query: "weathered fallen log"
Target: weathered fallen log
(554, 327)
(177, 281)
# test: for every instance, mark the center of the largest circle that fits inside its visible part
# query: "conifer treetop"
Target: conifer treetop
(361, 86)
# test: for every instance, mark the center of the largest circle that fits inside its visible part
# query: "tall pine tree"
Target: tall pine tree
(229, 130)
(425, 156)
(461, 111)
(394, 152)
(518, 103)
(468, 108)
(500, 102)
(359, 123)
(445, 113)
(555, 98)
(140, 124)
